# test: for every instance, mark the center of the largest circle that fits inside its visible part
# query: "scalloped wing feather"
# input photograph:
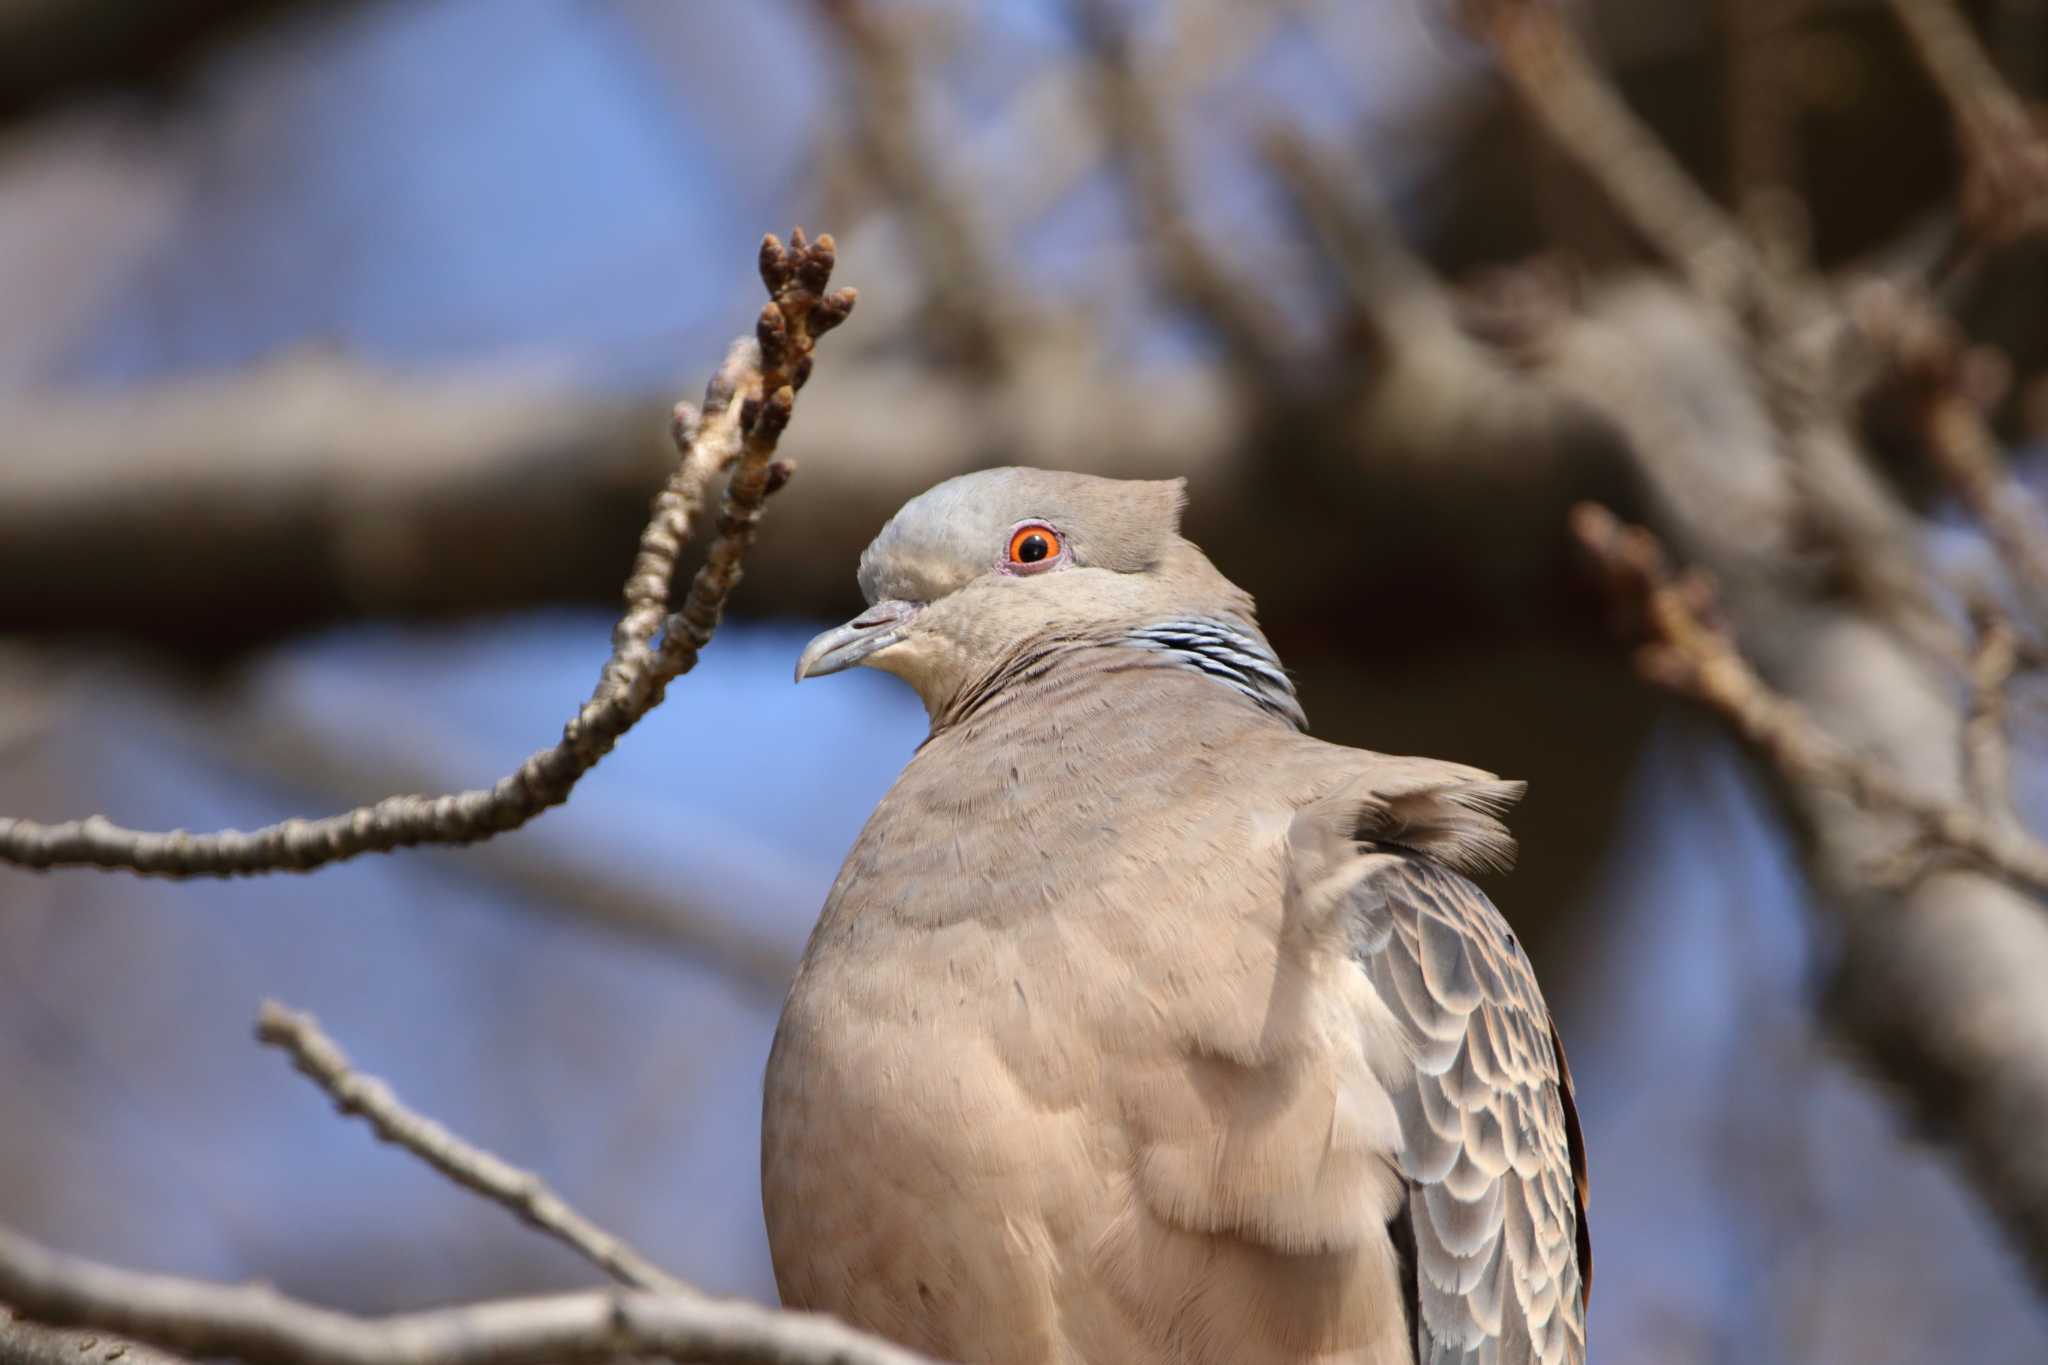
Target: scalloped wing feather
(1491, 1148)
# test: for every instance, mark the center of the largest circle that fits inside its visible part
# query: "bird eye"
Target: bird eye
(1034, 543)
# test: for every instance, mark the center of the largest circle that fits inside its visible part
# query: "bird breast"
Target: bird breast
(1019, 1095)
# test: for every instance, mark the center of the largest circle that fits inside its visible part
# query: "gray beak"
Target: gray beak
(844, 646)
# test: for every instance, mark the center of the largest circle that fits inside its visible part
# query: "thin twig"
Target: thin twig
(1688, 650)
(1764, 96)
(2017, 30)
(1968, 455)
(1017, 166)
(2005, 157)
(1792, 322)
(764, 375)
(1382, 277)
(321, 1060)
(800, 311)
(1559, 83)
(1193, 273)
(255, 1323)
(1949, 387)
(968, 322)
(254, 736)
(1987, 750)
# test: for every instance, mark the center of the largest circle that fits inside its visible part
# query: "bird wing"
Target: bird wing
(1494, 1238)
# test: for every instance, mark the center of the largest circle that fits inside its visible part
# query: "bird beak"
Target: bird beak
(844, 646)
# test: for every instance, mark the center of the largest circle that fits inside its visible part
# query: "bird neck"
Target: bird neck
(1228, 652)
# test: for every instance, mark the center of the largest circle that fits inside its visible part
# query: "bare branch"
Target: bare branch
(321, 1060)
(764, 376)
(31, 1343)
(1384, 282)
(2005, 158)
(1689, 651)
(1950, 384)
(49, 51)
(1191, 270)
(257, 1324)
(966, 321)
(313, 487)
(1558, 82)
(1987, 752)
(255, 737)
(1015, 168)
(1764, 95)
(1968, 455)
(1794, 326)
(801, 311)
(1430, 392)
(2017, 30)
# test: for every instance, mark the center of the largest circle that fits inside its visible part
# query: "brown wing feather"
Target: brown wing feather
(1491, 1146)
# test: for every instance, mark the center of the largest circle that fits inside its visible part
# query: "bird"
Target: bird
(1139, 1026)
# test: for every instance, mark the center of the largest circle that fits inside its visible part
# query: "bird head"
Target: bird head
(1003, 565)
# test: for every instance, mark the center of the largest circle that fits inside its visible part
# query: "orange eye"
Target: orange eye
(1034, 543)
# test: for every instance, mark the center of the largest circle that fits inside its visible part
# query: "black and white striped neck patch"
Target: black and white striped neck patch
(1228, 652)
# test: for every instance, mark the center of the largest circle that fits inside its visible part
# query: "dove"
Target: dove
(1140, 1026)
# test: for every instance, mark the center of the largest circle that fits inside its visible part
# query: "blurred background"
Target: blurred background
(336, 346)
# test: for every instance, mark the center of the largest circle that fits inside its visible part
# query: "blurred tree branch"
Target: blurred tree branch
(384, 500)
(1688, 649)
(963, 325)
(1036, 154)
(1561, 87)
(1738, 401)
(1950, 388)
(2005, 188)
(1209, 286)
(1765, 95)
(31, 1343)
(746, 407)
(50, 48)
(312, 488)
(1987, 748)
